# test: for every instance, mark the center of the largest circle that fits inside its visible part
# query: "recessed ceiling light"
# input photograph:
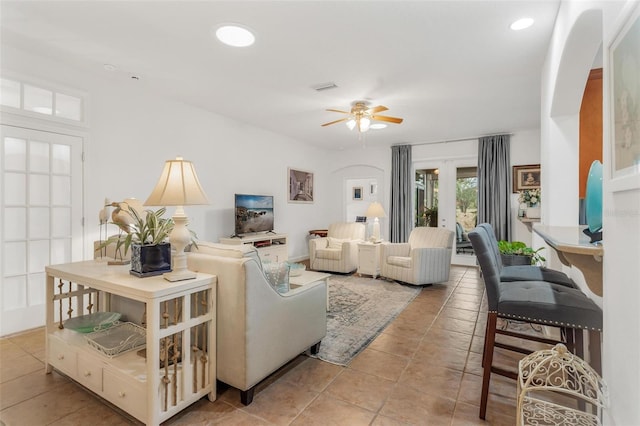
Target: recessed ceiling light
(109, 67)
(521, 24)
(234, 35)
(377, 126)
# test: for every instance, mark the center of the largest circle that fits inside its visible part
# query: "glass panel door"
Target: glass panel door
(41, 218)
(466, 211)
(446, 195)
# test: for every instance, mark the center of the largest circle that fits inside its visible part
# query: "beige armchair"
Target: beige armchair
(425, 259)
(338, 251)
(258, 329)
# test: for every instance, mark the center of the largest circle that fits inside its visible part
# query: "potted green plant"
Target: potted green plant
(147, 234)
(148, 239)
(518, 253)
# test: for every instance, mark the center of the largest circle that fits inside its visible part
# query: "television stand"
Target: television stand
(271, 246)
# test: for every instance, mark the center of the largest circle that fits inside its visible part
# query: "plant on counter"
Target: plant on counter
(518, 248)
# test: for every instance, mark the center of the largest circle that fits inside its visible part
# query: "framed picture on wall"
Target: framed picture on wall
(357, 193)
(526, 177)
(624, 80)
(300, 186)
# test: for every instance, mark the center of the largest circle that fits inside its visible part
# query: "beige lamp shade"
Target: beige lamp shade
(178, 186)
(375, 210)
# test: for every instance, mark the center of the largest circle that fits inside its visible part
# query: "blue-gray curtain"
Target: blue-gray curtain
(401, 215)
(494, 184)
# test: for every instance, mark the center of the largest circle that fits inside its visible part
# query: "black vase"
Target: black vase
(149, 260)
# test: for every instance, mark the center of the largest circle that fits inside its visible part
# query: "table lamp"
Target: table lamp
(375, 211)
(178, 186)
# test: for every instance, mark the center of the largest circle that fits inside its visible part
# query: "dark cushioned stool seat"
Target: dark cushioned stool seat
(535, 273)
(546, 303)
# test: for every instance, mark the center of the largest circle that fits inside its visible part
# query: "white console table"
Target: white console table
(180, 364)
(271, 247)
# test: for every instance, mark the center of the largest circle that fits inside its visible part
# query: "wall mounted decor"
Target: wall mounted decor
(357, 193)
(300, 186)
(624, 80)
(526, 177)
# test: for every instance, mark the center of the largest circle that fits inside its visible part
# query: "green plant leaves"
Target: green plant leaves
(148, 229)
(520, 248)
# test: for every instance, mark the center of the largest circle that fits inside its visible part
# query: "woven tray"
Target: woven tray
(120, 338)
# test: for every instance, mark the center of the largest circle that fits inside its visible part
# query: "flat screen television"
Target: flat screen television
(254, 213)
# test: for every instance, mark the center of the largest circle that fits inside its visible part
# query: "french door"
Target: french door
(41, 218)
(446, 195)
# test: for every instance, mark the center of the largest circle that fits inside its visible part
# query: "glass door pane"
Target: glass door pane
(426, 197)
(466, 207)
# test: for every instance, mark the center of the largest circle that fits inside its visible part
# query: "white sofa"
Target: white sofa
(338, 251)
(258, 329)
(425, 259)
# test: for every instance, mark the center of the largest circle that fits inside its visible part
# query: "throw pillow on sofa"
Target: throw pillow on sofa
(278, 275)
(336, 243)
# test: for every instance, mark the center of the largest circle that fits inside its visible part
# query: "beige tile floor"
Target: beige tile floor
(424, 369)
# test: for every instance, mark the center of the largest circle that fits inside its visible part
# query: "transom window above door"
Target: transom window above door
(37, 100)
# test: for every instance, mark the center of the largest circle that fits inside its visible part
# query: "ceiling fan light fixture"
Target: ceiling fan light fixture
(235, 36)
(377, 126)
(363, 124)
(521, 24)
(351, 124)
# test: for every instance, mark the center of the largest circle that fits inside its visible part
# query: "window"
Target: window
(41, 101)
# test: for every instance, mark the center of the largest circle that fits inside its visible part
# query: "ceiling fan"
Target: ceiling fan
(361, 116)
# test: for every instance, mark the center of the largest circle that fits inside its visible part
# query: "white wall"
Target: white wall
(132, 132)
(580, 27)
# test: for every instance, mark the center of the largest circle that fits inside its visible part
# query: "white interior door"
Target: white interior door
(41, 218)
(446, 196)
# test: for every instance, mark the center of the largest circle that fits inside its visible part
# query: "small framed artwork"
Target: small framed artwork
(357, 193)
(526, 177)
(624, 57)
(300, 186)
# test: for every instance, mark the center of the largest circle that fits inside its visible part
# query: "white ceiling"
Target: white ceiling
(451, 69)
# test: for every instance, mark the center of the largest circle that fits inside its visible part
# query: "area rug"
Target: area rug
(359, 309)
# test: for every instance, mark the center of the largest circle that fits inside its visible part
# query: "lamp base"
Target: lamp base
(179, 275)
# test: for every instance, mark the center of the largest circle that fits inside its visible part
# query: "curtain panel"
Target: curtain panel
(401, 217)
(494, 184)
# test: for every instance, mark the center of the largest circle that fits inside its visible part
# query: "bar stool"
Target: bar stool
(535, 302)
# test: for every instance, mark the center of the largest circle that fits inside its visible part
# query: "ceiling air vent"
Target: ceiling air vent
(324, 86)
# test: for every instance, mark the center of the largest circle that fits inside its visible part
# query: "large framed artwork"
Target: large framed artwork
(526, 177)
(624, 62)
(300, 186)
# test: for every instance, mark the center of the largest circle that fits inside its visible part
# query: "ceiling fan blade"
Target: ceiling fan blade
(379, 108)
(334, 122)
(337, 110)
(386, 118)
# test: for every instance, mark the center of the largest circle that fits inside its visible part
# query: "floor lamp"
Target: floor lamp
(178, 186)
